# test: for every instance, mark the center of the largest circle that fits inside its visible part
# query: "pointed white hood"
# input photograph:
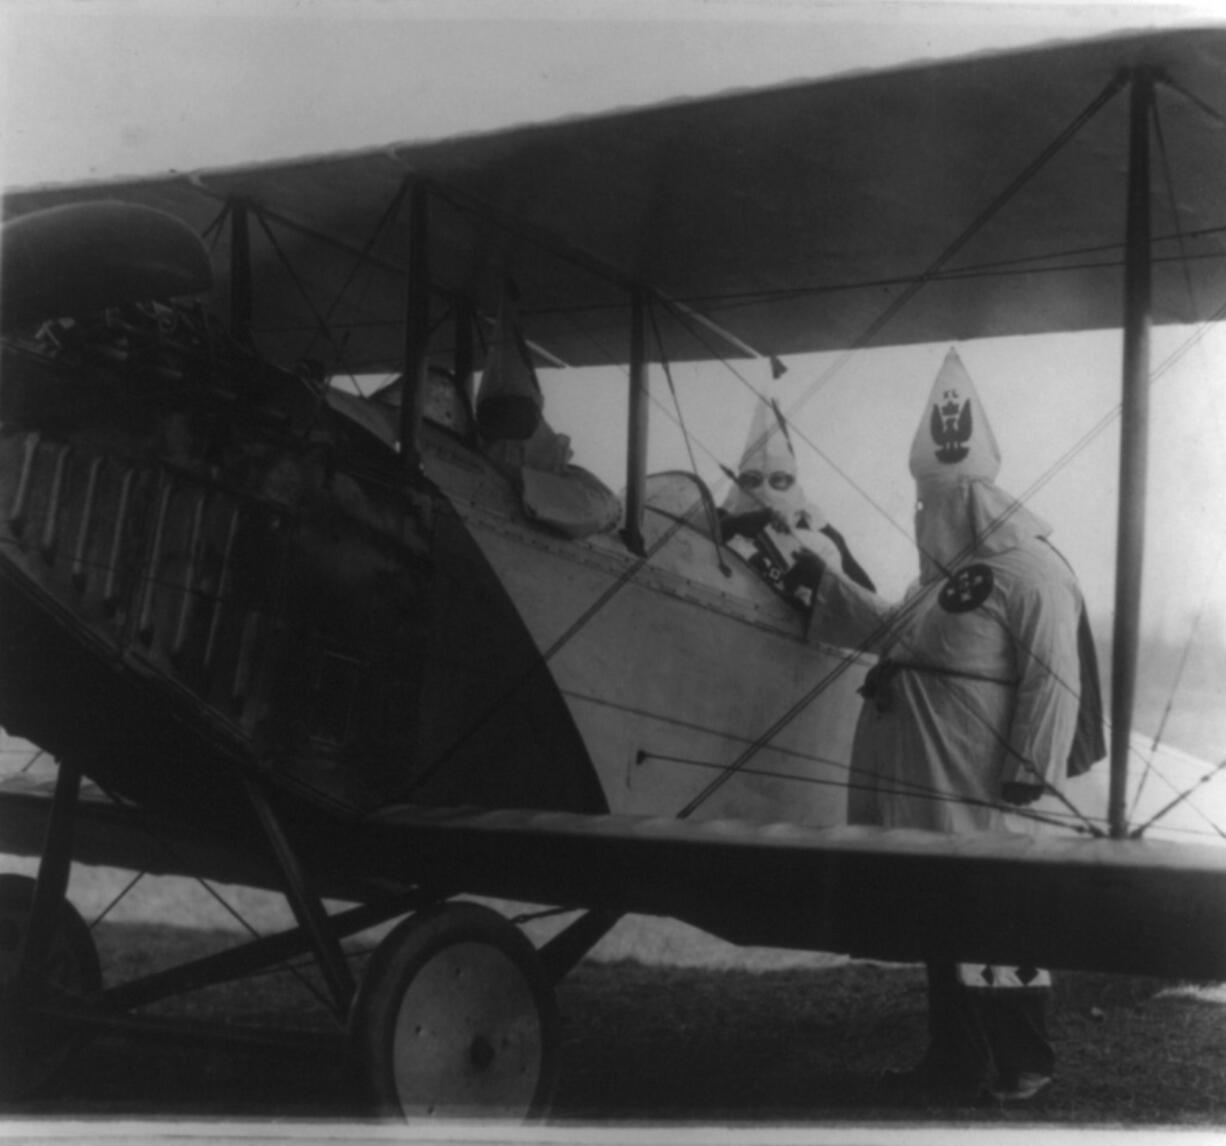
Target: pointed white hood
(954, 435)
(961, 513)
(766, 476)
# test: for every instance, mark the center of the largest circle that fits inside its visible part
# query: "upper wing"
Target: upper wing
(796, 218)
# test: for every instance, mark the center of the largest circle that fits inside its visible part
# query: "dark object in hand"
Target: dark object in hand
(1020, 794)
(806, 573)
(748, 524)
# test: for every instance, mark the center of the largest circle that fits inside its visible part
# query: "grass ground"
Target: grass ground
(668, 1044)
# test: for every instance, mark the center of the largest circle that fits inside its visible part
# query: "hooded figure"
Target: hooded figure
(510, 405)
(522, 444)
(985, 694)
(767, 507)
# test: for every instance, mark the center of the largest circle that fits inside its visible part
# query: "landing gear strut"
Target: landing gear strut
(33, 1046)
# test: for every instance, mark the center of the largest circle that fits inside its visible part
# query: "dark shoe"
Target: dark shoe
(1020, 1087)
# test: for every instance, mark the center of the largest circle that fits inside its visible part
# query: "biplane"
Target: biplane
(280, 627)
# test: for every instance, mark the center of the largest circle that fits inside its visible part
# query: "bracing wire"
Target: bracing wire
(999, 269)
(1168, 708)
(870, 332)
(214, 228)
(976, 225)
(321, 325)
(1095, 431)
(1138, 832)
(1057, 467)
(1044, 479)
(884, 637)
(1160, 732)
(167, 848)
(910, 789)
(713, 520)
(1170, 192)
(362, 261)
(117, 899)
(1208, 109)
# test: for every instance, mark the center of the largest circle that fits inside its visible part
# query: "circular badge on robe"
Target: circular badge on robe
(967, 589)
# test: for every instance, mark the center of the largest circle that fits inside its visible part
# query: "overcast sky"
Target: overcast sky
(105, 87)
(98, 89)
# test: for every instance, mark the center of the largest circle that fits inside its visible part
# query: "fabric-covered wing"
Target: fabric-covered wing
(795, 217)
(1107, 905)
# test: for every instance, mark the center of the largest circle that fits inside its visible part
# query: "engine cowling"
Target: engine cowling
(84, 257)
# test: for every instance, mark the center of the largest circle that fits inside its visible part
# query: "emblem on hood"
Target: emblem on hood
(951, 428)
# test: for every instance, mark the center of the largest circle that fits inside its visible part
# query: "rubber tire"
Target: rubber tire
(456, 1018)
(32, 1049)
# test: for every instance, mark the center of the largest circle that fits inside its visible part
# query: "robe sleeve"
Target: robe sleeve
(1042, 618)
(848, 615)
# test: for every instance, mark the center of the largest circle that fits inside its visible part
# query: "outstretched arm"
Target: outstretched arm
(844, 613)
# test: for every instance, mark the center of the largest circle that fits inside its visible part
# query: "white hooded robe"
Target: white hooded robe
(985, 684)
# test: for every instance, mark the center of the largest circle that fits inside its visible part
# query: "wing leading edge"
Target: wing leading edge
(1108, 905)
(894, 894)
(795, 217)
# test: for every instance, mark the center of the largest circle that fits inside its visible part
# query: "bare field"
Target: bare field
(664, 1044)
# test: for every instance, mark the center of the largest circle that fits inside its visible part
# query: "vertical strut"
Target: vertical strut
(240, 273)
(306, 905)
(1134, 430)
(564, 951)
(464, 362)
(52, 884)
(416, 327)
(636, 449)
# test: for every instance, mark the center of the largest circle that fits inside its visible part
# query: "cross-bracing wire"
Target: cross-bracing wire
(882, 320)
(1158, 735)
(888, 635)
(320, 322)
(117, 899)
(837, 366)
(1038, 264)
(1178, 679)
(895, 786)
(168, 849)
(1061, 463)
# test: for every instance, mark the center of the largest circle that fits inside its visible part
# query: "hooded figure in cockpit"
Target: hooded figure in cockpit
(985, 695)
(766, 516)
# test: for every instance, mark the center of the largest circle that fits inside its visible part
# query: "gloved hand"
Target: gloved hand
(805, 573)
(1019, 794)
(748, 524)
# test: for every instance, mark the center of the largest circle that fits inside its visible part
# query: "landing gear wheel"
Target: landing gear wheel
(455, 1017)
(33, 1047)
